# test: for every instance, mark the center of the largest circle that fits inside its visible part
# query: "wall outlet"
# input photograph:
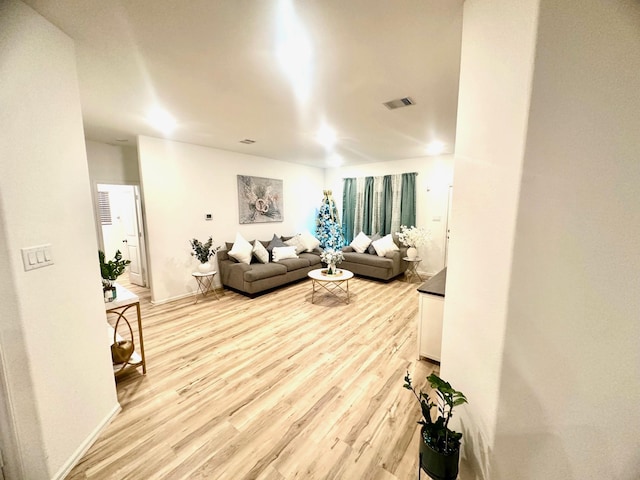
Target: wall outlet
(36, 257)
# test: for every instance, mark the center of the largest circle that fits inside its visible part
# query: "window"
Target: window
(104, 208)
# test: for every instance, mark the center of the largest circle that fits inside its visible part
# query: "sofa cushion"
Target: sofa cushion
(371, 250)
(260, 252)
(365, 259)
(260, 271)
(309, 241)
(360, 243)
(241, 250)
(312, 258)
(385, 245)
(296, 241)
(280, 253)
(275, 242)
(292, 264)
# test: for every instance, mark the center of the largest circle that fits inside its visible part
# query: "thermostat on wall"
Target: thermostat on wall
(208, 216)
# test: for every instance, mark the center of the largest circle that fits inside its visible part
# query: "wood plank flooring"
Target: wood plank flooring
(271, 388)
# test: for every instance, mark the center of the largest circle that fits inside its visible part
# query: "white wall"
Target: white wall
(574, 303)
(495, 80)
(183, 182)
(541, 321)
(435, 175)
(112, 164)
(55, 354)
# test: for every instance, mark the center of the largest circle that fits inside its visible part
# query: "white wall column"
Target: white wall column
(58, 382)
(541, 319)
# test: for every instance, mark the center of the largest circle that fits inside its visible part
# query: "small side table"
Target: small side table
(412, 269)
(124, 301)
(205, 282)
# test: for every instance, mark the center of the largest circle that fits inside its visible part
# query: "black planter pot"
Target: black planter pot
(439, 466)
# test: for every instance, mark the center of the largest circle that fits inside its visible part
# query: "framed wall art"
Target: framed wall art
(259, 199)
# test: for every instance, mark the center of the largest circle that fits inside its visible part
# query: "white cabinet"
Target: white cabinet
(430, 310)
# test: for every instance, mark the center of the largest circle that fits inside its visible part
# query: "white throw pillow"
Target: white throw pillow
(260, 252)
(360, 243)
(241, 250)
(309, 241)
(385, 245)
(296, 241)
(280, 253)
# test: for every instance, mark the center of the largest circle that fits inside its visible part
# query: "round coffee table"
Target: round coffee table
(331, 283)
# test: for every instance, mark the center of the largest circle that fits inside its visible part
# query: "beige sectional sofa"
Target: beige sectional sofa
(259, 277)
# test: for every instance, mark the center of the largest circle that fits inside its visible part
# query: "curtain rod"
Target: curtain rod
(388, 175)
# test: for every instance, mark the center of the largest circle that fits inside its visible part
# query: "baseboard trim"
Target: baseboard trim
(84, 446)
(185, 295)
(171, 299)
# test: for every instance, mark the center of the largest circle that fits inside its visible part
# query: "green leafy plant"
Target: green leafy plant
(112, 269)
(436, 432)
(203, 251)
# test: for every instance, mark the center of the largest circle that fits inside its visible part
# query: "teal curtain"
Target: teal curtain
(386, 205)
(408, 200)
(367, 215)
(348, 208)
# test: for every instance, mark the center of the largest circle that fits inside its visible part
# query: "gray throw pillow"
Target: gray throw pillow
(370, 249)
(275, 242)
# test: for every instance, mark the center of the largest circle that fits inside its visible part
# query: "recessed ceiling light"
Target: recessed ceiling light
(435, 148)
(161, 120)
(326, 136)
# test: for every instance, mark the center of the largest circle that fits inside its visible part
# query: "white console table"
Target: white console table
(124, 301)
(430, 310)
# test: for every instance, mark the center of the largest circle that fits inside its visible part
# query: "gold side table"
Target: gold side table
(205, 284)
(412, 269)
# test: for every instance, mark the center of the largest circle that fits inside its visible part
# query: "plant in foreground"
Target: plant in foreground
(436, 433)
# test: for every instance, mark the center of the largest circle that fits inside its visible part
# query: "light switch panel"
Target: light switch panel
(36, 257)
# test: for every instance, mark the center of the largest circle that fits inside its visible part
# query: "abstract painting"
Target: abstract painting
(259, 199)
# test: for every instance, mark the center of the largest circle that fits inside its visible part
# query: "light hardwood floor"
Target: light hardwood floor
(271, 388)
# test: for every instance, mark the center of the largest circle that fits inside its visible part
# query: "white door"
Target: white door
(120, 217)
(131, 241)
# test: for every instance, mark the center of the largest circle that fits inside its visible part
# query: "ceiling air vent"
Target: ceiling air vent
(399, 103)
(247, 141)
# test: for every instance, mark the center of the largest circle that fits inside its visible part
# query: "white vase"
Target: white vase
(204, 267)
(412, 253)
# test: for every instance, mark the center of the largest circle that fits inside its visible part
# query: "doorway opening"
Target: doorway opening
(120, 227)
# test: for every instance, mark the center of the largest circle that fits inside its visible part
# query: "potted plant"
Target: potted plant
(413, 237)
(439, 446)
(110, 271)
(203, 252)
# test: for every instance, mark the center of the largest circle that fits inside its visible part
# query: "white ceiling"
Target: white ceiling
(213, 65)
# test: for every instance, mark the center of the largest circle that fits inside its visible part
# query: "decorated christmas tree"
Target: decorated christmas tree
(328, 227)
